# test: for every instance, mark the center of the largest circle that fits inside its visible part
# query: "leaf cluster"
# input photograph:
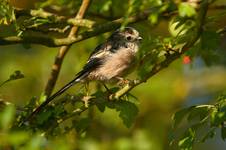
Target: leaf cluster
(202, 123)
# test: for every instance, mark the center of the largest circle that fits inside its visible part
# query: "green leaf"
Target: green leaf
(186, 143)
(153, 18)
(200, 112)
(217, 117)
(186, 10)
(100, 101)
(7, 14)
(180, 115)
(127, 111)
(43, 116)
(7, 116)
(106, 6)
(82, 124)
(42, 98)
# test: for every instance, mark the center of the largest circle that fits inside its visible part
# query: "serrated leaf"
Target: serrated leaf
(127, 111)
(100, 101)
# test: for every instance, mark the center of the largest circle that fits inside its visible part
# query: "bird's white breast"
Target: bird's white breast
(116, 64)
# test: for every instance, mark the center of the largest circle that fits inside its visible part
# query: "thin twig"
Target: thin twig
(63, 51)
(55, 18)
(43, 39)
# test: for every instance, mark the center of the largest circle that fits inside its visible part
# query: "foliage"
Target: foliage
(7, 15)
(207, 117)
(191, 33)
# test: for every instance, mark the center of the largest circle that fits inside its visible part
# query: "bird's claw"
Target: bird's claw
(86, 100)
(122, 81)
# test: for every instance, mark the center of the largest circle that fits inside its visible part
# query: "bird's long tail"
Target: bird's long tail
(79, 77)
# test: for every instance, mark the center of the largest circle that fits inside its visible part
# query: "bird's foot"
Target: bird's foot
(86, 100)
(122, 81)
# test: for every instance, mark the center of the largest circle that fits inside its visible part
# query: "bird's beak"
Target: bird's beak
(139, 38)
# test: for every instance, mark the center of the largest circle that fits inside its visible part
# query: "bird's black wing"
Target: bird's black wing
(91, 65)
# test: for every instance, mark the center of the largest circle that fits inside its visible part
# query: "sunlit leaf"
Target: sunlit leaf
(218, 117)
(186, 143)
(7, 15)
(106, 6)
(186, 10)
(153, 18)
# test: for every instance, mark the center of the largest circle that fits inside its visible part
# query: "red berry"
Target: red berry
(186, 60)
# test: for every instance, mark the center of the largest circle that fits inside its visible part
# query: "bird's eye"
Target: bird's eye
(129, 38)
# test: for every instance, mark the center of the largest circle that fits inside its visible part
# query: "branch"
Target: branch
(158, 67)
(58, 62)
(63, 51)
(43, 39)
(171, 58)
(55, 18)
(164, 64)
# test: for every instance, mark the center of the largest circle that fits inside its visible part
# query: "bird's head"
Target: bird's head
(129, 34)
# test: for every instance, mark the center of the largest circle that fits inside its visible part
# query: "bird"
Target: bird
(109, 61)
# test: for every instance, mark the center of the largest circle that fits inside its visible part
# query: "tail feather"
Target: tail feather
(79, 77)
(63, 89)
